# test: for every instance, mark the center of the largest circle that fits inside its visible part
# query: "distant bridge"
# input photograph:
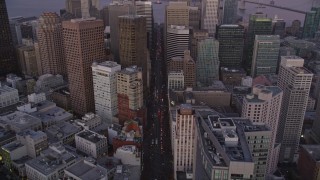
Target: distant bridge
(242, 6)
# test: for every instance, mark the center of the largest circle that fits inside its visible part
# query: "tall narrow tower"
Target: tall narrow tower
(184, 139)
(133, 43)
(295, 82)
(265, 55)
(83, 40)
(263, 107)
(105, 89)
(8, 62)
(51, 44)
(210, 15)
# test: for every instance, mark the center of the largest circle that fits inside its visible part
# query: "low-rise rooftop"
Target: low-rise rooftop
(52, 159)
(86, 169)
(19, 121)
(91, 136)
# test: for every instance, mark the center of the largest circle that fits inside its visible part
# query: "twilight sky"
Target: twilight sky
(36, 7)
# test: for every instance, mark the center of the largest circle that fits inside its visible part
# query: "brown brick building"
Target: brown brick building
(133, 43)
(309, 162)
(84, 44)
(187, 65)
(51, 44)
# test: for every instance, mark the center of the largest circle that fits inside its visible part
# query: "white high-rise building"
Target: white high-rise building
(184, 139)
(295, 81)
(177, 41)
(105, 89)
(263, 107)
(210, 15)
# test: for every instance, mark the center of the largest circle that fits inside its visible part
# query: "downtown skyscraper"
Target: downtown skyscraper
(51, 44)
(295, 82)
(231, 44)
(210, 15)
(265, 55)
(258, 25)
(133, 43)
(84, 44)
(8, 61)
(105, 89)
(207, 61)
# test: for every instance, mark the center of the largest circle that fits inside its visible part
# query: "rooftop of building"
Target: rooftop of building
(274, 90)
(313, 150)
(12, 146)
(48, 111)
(301, 70)
(88, 117)
(230, 25)
(130, 70)
(226, 133)
(127, 172)
(35, 135)
(19, 119)
(247, 126)
(184, 176)
(128, 148)
(22, 161)
(6, 134)
(52, 159)
(109, 64)
(241, 90)
(86, 169)
(5, 89)
(132, 16)
(235, 70)
(91, 136)
(61, 130)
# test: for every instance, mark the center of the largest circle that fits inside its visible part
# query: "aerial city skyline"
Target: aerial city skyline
(160, 90)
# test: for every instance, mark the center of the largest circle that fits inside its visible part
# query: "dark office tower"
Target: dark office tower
(116, 10)
(311, 23)
(194, 17)
(133, 43)
(295, 28)
(279, 27)
(230, 10)
(231, 42)
(74, 7)
(258, 25)
(8, 62)
(51, 44)
(84, 44)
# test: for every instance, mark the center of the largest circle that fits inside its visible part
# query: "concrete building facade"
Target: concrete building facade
(105, 89)
(130, 92)
(295, 82)
(91, 143)
(176, 80)
(184, 139)
(210, 15)
(8, 96)
(263, 107)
